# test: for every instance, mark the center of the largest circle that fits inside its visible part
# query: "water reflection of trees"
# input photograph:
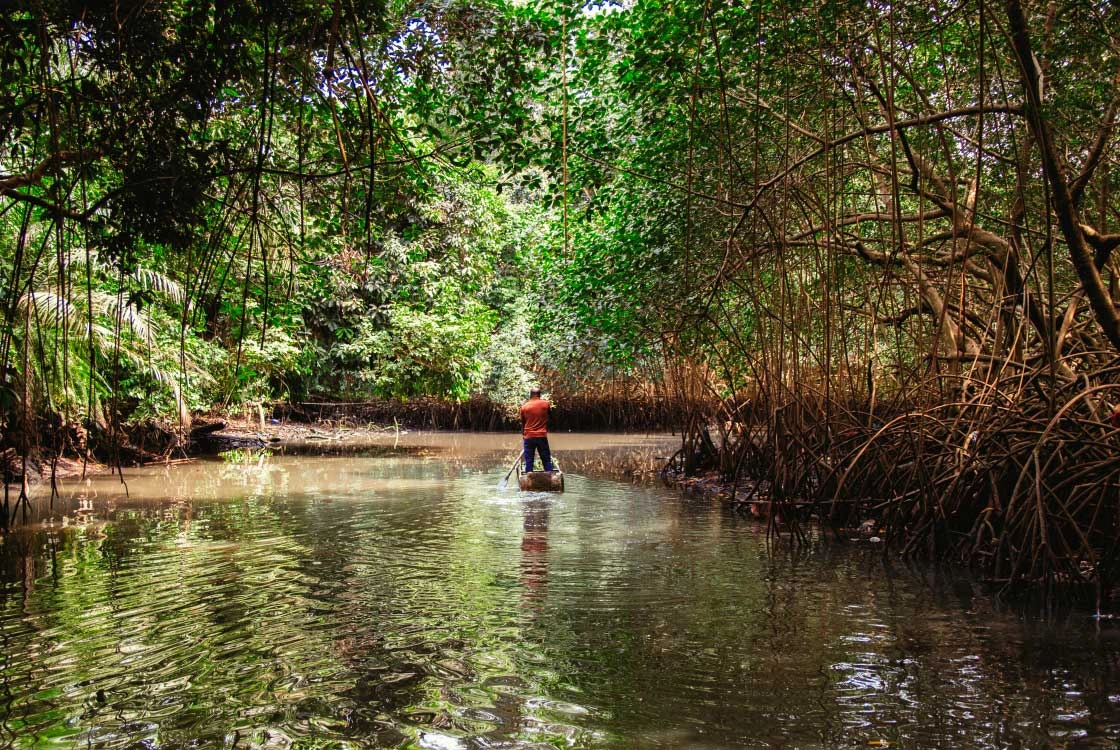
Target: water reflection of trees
(435, 597)
(855, 650)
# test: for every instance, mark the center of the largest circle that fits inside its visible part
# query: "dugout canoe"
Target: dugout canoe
(540, 481)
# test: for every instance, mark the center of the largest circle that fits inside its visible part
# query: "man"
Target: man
(534, 429)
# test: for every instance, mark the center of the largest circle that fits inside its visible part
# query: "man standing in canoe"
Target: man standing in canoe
(534, 429)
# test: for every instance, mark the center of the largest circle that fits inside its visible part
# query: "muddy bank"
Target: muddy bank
(247, 447)
(618, 455)
(53, 444)
(647, 457)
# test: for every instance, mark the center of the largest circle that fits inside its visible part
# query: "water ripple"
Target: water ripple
(393, 602)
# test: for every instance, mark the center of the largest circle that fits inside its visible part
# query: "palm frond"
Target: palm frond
(115, 307)
(44, 305)
(155, 281)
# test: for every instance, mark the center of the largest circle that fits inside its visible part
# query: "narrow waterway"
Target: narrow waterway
(396, 597)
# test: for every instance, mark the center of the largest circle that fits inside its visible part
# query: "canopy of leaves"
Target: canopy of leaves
(362, 199)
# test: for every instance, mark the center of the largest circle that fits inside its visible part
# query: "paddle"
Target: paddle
(502, 484)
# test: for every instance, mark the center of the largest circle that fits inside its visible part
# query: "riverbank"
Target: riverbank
(608, 455)
(633, 458)
(634, 455)
(629, 457)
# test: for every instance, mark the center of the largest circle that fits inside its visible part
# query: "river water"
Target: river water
(394, 596)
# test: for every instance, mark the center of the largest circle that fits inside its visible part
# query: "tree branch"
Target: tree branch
(56, 160)
(1083, 261)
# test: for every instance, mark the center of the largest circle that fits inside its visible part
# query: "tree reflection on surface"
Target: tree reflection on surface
(401, 600)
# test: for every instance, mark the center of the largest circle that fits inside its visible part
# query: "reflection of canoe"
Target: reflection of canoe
(540, 481)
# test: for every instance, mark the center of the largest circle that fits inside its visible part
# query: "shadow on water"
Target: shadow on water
(397, 599)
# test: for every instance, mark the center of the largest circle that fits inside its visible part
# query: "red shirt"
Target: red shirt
(534, 418)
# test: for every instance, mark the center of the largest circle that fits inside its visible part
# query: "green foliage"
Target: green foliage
(421, 353)
(282, 231)
(413, 318)
(297, 199)
(504, 376)
(83, 331)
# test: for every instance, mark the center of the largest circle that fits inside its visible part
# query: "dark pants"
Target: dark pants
(539, 445)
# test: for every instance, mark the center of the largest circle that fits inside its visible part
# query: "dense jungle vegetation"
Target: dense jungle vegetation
(868, 243)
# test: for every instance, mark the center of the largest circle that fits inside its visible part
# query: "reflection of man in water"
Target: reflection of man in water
(534, 553)
(534, 429)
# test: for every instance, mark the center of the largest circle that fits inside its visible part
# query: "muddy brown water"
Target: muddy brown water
(391, 595)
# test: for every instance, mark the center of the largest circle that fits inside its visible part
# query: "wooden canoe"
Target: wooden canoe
(540, 481)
